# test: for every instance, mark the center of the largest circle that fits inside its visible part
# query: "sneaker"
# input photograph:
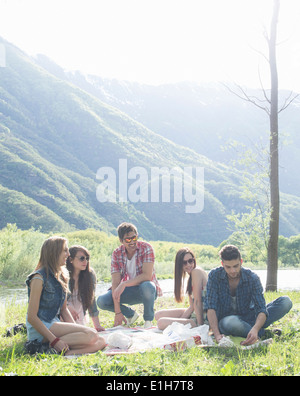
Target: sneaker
(270, 333)
(131, 320)
(147, 324)
(20, 328)
(35, 346)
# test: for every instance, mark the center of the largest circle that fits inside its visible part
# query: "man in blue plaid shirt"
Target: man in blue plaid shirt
(235, 302)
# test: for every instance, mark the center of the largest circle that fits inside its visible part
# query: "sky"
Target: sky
(158, 41)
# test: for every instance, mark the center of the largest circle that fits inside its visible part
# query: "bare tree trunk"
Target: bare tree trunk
(272, 111)
(274, 159)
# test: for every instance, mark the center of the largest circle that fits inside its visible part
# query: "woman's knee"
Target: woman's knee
(162, 323)
(160, 314)
(100, 343)
(157, 316)
(91, 335)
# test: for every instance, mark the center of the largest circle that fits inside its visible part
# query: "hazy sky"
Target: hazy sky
(157, 41)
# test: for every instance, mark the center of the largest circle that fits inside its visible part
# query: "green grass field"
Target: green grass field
(281, 358)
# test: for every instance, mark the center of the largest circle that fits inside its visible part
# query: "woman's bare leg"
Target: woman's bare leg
(169, 313)
(163, 323)
(81, 339)
(97, 346)
(168, 316)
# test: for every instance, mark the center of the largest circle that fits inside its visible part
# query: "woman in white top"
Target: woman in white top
(82, 285)
(185, 264)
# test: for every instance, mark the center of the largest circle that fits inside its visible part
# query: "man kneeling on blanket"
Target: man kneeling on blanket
(235, 302)
(133, 279)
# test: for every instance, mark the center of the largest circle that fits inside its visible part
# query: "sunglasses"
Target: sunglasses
(82, 258)
(132, 239)
(189, 261)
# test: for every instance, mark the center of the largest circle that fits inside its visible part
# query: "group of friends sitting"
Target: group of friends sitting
(62, 295)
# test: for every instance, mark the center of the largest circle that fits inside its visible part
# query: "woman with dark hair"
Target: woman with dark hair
(82, 287)
(185, 264)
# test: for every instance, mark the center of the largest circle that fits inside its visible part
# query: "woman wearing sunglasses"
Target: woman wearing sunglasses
(185, 264)
(82, 286)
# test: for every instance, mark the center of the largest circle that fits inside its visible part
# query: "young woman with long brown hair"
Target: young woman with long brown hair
(47, 290)
(185, 264)
(82, 285)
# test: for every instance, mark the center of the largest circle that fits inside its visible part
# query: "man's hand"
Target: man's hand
(219, 337)
(119, 319)
(253, 333)
(251, 338)
(214, 324)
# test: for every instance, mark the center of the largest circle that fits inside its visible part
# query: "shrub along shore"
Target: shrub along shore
(19, 253)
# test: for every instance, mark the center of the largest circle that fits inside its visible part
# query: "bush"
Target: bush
(19, 252)
(289, 251)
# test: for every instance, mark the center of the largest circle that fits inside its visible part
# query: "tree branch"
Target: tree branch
(263, 88)
(251, 99)
(288, 101)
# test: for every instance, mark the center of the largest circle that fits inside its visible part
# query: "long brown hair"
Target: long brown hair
(180, 274)
(49, 259)
(85, 281)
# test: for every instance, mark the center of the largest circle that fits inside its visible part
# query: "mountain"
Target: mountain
(205, 118)
(59, 145)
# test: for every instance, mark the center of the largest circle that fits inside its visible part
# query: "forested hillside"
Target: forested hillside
(54, 137)
(204, 117)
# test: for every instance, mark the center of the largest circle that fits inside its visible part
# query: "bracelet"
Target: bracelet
(54, 342)
(118, 313)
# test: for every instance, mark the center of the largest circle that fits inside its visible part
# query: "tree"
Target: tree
(270, 106)
(272, 268)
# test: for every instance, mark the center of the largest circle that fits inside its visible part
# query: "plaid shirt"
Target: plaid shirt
(144, 254)
(249, 294)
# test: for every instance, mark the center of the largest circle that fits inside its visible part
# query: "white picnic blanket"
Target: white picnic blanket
(122, 339)
(176, 337)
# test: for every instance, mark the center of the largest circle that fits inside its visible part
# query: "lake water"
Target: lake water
(287, 280)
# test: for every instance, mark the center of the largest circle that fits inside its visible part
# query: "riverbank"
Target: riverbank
(20, 249)
(288, 280)
(281, 358)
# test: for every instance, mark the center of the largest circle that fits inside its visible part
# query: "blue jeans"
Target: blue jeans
(145, 293)
(237, 325)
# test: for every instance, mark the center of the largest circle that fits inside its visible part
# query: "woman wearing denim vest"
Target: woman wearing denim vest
(47, 290)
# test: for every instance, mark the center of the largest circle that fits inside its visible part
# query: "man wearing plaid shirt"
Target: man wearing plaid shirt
(133, 279)
(235, 302)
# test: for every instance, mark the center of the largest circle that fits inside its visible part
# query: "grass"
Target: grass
(282, 358)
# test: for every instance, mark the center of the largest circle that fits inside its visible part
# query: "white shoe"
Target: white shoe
(130, 321)
(147, 324)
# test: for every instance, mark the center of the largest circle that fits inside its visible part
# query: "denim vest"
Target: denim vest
(52, 297)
